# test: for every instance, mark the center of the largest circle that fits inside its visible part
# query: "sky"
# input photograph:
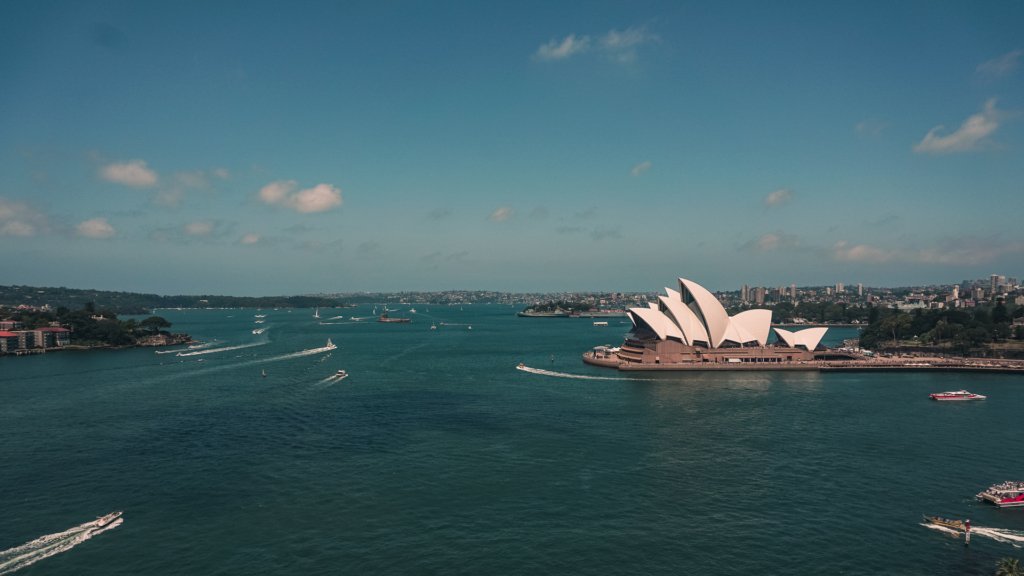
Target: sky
(262, 148)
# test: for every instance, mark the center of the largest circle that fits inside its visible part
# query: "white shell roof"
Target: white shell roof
(809, 337)
(715, 318)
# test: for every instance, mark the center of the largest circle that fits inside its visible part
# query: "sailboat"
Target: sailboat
(317, 313)
(330, 345)
(264, 374)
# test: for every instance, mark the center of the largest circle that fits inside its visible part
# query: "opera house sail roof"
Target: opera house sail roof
(694, 317)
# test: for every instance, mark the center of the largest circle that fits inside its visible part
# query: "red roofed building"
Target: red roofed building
(51, 337)
(8, 342)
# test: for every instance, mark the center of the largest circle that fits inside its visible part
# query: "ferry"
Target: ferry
(389, 320)
(600, 323)
(102, 521)
(1007, 494)
(962, 525)
(957, 396)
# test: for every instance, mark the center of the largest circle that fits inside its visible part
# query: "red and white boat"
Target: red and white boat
(1005, 495)
(956, 396)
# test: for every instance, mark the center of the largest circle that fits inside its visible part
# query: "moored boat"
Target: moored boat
(955, 396)
(1007, 494)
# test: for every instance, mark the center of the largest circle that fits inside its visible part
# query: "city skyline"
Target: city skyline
(528, 147)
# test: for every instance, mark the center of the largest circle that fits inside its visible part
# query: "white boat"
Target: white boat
(412, 310)
(316, 314)
(956, 396)
(330, 345)
(341, 374)
(259, 321)
(433, 326)
(104, 520)
(264, 373)
(259, 330)
(600, 323)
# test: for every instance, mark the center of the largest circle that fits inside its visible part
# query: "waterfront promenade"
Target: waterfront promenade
(914, 363)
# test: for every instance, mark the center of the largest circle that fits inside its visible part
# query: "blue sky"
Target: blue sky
(274, 147)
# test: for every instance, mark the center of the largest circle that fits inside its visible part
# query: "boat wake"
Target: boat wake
(217, 350)
(1013, 537)
(543, 372)
(51, 544)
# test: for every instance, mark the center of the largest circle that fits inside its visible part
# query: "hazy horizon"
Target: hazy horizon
(258, 148)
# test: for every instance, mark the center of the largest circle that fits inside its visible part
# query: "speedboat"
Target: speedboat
(104, 520)
(958, 395)
(947, 522)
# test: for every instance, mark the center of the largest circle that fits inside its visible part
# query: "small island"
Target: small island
(29, 330)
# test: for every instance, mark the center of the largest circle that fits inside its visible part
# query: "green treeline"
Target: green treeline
(958, 329)
(92, 327)
(132, 303)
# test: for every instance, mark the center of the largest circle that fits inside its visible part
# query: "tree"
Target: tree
(154, 324)
(1009, 567)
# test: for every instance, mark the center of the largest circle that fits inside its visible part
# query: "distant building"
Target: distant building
(8, 341)
(759, 293)
(860, 290)
(745, 294)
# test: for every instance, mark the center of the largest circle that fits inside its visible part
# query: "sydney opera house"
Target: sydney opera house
(690, 328)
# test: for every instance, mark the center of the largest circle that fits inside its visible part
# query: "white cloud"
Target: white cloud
(771, 242)
(134, 173)
(319, 198)
(618, 45)
(201, 228)
(641, 168)
(250, 239)
(870, 127)
(276, 192)
(501, 214)
(555, 50)
(95, 228)
(778, 197)
(971, 134)
(1002, 65)
(19, 219)
(222, 173)
(844, 252)
(621, 45)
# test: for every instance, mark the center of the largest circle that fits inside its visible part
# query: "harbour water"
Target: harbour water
(437, 456)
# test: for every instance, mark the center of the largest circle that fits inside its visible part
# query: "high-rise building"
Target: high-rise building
(745, 294)
(759, 295)
(840, 288)
(994, 279)
(956, 292)
(792, 291)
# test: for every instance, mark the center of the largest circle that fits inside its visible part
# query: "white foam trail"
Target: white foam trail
(51, 544)
(1013, 537)
(543, 372)
(216, 350)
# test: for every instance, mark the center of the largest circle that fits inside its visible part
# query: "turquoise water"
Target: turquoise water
(436, 456)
